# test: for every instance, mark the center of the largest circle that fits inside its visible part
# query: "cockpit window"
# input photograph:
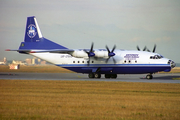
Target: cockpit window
(156, 57)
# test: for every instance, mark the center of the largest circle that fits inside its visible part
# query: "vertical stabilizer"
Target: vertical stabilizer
(33, 38)
(33, 32)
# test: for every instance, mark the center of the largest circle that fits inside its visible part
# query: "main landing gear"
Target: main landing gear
(149, 76)
(94, 75)
(113, 76)
(98, 75)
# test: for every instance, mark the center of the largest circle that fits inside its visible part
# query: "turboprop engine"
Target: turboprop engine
(80, 54)
(83, 54)
(101, 54)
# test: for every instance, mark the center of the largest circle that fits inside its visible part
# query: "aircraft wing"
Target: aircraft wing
(54, 51)
(65, 51)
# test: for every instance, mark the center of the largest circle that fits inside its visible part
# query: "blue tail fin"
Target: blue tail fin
(33, 32)
(33, 37)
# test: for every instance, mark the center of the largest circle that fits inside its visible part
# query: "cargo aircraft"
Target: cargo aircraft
(93, 62)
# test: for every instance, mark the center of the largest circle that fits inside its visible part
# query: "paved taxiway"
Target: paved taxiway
(158, 78)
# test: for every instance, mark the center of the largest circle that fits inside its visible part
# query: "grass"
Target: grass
(36, 69)
(38, 99)
(176, 78)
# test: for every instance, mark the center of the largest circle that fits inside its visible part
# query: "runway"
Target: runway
(158, 78)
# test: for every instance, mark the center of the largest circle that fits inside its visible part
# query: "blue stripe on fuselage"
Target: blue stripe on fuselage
(118, 68)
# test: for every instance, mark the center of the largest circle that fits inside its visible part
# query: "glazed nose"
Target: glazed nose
(172, 63)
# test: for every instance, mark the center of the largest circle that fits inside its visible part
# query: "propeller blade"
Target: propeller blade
(148, 50)
(107, 49)
(144, 48)
(92, 45)
(114, 60)
(107, 59)
(138, 48)
(154, 49)
(113, 48)
(91, 52)
(86, 51)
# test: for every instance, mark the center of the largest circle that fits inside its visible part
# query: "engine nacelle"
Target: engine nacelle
(83, 54)
(101, 54)
(79, 54)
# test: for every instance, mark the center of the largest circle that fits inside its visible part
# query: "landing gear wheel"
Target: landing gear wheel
(97, 75)
(107, 76)
(149, 77)
(114, 76)
(91, 75)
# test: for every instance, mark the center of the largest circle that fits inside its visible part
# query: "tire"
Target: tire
(97, 75)
(114, 76)
(107, 76)
(91, 75)
(149, 77)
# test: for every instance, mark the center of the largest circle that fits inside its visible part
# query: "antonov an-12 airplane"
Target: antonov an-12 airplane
(93, 62)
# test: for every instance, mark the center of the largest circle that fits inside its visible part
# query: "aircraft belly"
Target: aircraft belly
(118, 69)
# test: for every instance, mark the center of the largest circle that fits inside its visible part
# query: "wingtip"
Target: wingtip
(32, 52)
(7, 50)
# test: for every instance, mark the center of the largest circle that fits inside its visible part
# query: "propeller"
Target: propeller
(154, 49)
(90, 53)
(145, 48)
(140, 49)
(111, 53)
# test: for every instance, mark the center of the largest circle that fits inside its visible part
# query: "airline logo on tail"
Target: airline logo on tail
(31, 31)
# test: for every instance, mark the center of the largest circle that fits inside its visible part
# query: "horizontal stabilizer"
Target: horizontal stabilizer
(63, 51)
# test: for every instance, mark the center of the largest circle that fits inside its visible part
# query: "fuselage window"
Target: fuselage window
(87, 61)
(129, 61)
(125, 61)
(136, 61)
(73, 61)
(92, 61)
(78, 61)
(82, 61)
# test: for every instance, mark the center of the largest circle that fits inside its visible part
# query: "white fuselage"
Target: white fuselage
(122, 57)
(127, 62)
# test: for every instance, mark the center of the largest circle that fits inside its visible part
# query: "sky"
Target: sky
(77, 23)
